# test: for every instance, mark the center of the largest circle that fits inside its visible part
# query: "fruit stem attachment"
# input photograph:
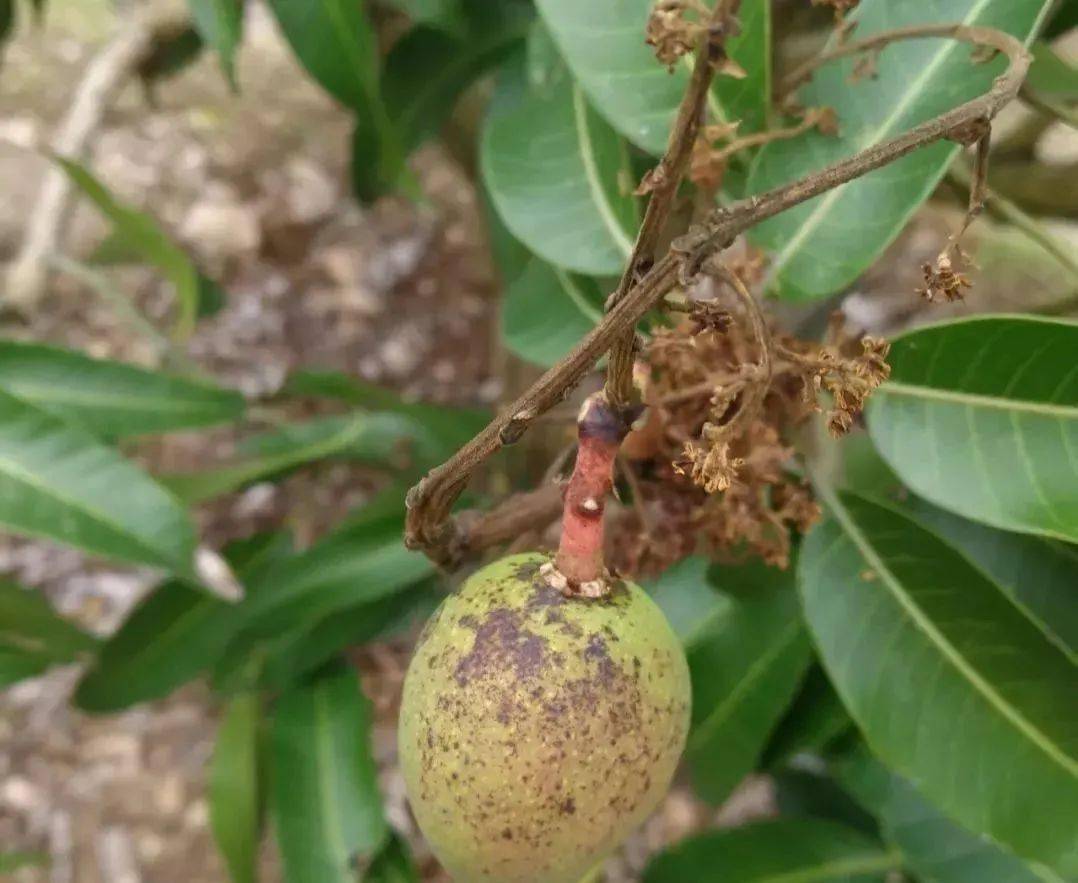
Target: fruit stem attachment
(601, 428)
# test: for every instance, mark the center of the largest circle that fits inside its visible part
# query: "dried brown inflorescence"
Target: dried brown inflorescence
(713, 466)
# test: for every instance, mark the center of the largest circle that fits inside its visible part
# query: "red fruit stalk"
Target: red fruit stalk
(601, 429)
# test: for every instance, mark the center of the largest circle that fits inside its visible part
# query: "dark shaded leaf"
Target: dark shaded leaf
(220, 22)
(393, 864)
(814, 719)
(29, 623)
(745, 669)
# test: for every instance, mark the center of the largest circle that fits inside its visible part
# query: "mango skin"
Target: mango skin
(537, 731)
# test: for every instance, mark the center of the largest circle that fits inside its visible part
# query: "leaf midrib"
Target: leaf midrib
(894, 387)
(939, 641)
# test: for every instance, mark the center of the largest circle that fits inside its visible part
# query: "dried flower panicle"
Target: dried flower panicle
(946, 279)
(671, 32)
(841, 7)
(715, 482)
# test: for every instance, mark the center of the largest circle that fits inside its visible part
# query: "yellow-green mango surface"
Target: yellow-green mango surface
(536, 730)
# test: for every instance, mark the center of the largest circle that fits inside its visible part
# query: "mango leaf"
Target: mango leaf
(824, 244)
(142, 234)
(376, 438)
(814, 720)
(445, 14)
(987, 728)
(360, 563)
(220, 22)
(806, 790)
(603, 43)
(326, 804)
(450, 426)
(558, 174)
(300, 651)
(111, 399)
(1038, 574)
(1050, 75)
(10, 862)
(175, 633)
(981, 417)
(547, 311)
(234, 788)
(393, 864)
(172, 50)
(33, 637)
(60, 482)
(745, 669)
(781, 851)
(933, 846)
(688, 600)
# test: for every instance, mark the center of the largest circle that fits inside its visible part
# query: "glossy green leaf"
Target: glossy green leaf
(745, 669)
(393, 864)
(548, 310)
(326, 804)
(29, 623)
(824, 244)
(378, 438)
(360, 563)
(814, 719)
(950, 682)
(111, 399)
(981, 417)
(234, 788)
(60, 482)
(783, 851)
(220, 22)
(174, 634)
(1039, 574)
(808, 790)
(17, 664)
(558, 174)
(451, 427)
(688, 600)
(932, 845)
(301, 651)
(445, 14)
(142, 234)
(1050, 75)
(603, 43)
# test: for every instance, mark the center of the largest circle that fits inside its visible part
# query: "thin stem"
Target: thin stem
(1050, 106)
(664, 181)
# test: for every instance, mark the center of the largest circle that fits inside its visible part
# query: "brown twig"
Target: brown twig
(662, 183)
(429, 525)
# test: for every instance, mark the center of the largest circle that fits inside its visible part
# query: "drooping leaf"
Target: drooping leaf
(380, 438)
(1039, 574)
(445, 14)
(17, 664)
(326, 804)
(557, 173)
(362, 562)
(783, 851)
(29, 623)
(172, 50)
(234, 788)
(7, 20)
(548, 310)
(450, 426)
(603, 43)
(981, 417)
(932, 845)
(393, 864)
(950, 682)
(688, 600)
(1050, 75)
(824, 244)
(220, 22)
(173, 635)
(807, 790)
(58, 481)
(141, 233)
(745, 670)
(111, 399)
